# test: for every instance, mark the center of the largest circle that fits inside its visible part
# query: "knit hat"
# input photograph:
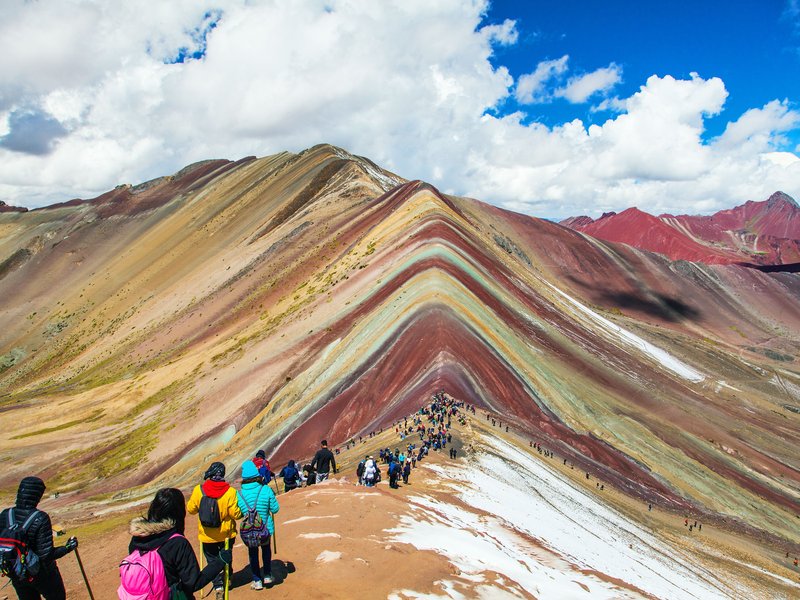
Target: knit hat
(216, 472)
(249, 469)
(30, 492)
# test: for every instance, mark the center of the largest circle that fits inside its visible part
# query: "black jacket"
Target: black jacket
(177, 554)
(323, 460)
(40, 531)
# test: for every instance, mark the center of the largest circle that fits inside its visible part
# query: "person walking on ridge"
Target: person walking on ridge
(323, 461)
(38, 535)
(215, 502)
(162, 530)
(260, 498)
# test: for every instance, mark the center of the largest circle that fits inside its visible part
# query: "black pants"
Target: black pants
(211, 551)
(47, 585)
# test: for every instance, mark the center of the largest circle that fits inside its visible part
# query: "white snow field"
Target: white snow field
(524, 531)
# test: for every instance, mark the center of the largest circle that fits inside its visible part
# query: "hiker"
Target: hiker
(310, 474)
(214, 501)
(291, 476)
(360, 470)
(323, 461)
(162, 530)
(371, 473)
(259, 498)
(455, 453)
(262, 464)
(406, 471)
(394, 471)
(37, 533)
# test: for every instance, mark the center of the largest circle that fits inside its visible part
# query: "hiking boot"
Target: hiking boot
(256, 585)
(269, 580)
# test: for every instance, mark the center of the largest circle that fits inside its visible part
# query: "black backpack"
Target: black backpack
(17, 561)
(209, 511)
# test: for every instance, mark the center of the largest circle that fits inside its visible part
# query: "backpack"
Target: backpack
(209, 511)
(291, 475)
(254, 530)
(360, 470)
(17, 561)
(142, 577)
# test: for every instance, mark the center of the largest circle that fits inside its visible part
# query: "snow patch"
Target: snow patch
(662, 357)
(309, 518)
(328, 556)
(316, 536)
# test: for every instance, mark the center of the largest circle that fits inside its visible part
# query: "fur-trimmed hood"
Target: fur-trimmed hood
(148, 535)
(141, 527)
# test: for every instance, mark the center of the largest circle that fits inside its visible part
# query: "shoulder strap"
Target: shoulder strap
(10, 517)
(29, 520)
(246, 503)
(202, 491)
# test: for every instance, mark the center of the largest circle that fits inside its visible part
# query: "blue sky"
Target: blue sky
(751, 45)
(547, 108)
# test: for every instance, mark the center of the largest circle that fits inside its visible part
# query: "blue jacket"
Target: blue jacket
(267, 502)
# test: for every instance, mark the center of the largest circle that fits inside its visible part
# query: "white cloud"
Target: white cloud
(504, 34)
(408, 83)
(532, 87)
(579, 89)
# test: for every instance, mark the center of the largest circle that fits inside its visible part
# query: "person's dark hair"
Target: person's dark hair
(168, 503)
(324, 442)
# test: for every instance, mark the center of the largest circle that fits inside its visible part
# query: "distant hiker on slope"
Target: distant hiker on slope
(28, 525)
(214, 501)
(257, 499)
(162, 530)
(323, 461)
(262, 464)
(406, 470)
(370, 472)
(291, 476)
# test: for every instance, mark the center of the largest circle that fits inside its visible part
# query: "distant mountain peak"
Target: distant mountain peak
(781, 198)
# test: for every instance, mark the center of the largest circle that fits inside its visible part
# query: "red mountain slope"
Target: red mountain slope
(764, 233)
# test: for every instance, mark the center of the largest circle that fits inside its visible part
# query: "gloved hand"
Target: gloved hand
(226, 556)
(72, 544)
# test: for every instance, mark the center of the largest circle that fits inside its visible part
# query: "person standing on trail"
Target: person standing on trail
(162, 530)
(261, 499)
(370, 472)
(215, 503)
(323, 461)
(291, 476)
(262, 464)
(38, 534)
(406, 471)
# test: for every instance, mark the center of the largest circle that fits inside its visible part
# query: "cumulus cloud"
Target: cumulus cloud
(122, 92)
(579, 89)
(532, 87)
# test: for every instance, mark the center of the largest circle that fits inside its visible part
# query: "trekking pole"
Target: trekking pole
(83, 573)
(274, 539)
(227, 570)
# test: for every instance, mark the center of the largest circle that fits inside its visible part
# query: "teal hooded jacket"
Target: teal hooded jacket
(260, 497)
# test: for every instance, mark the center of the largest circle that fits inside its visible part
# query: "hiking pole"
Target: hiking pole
(83, 573)
(274, 539)
(227, 570)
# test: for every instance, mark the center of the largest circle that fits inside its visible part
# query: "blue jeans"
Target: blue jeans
(266, 558)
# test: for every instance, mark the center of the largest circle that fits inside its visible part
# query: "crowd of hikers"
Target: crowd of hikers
(162, 564)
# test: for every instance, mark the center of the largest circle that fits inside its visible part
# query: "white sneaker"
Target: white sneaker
(269, 580)
(256, 585)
